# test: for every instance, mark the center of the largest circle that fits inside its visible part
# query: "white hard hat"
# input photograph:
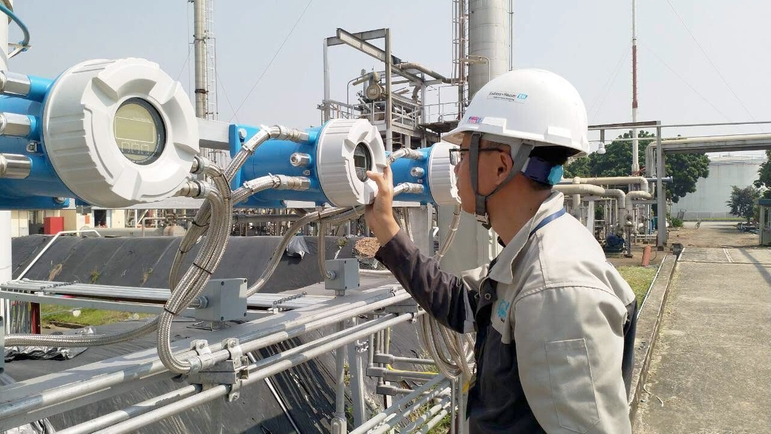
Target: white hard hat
(527, 104)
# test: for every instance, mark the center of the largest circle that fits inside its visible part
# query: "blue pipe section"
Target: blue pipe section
(42, 184)
(402, 168)
(272, 158)
(38, 88)
(30, 203)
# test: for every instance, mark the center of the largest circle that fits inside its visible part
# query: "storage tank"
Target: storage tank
(712, 193)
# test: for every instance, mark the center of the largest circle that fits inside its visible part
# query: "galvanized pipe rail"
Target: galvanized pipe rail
(34, 399)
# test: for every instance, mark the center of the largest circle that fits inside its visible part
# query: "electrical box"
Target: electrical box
(342, 274)
(225, 300)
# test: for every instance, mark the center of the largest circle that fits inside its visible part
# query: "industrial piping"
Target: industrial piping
(612, 180)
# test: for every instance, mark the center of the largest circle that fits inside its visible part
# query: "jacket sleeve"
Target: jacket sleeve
(443, 295)
(570, 345)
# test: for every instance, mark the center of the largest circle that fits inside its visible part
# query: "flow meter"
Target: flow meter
(112, 133)
(434, 171)
(119, 132)
(335, 159)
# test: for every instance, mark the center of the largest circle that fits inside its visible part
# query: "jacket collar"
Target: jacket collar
(501, 271)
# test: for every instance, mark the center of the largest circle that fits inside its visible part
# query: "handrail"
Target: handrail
(50, 243)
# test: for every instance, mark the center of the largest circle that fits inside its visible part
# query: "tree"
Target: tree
(686, 169)
(742, 202)
(764, 176)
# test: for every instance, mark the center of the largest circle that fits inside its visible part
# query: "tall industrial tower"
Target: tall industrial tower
(204, 43)
(481, 52)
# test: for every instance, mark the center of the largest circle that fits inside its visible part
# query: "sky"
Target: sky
(700, 61)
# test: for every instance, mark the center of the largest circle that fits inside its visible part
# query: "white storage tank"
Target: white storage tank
(712, 193)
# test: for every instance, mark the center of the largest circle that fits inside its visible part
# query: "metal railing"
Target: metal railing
(77, 387)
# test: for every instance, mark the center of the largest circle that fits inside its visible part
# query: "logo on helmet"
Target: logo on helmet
(475, 120)
(508, 96)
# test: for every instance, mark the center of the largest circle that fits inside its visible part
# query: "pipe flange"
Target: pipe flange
(441, 175)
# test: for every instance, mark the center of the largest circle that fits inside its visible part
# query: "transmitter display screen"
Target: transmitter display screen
(362, 161)
(139, 131)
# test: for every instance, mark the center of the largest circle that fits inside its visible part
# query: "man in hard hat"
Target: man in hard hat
(554, 321)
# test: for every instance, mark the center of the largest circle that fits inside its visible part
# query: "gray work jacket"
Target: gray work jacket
(554, 322)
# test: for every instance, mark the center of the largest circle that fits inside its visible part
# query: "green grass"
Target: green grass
(639, 278)
(51, 313)
(442, 427)
(719, 219)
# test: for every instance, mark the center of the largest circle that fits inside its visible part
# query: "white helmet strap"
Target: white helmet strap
(480, 201)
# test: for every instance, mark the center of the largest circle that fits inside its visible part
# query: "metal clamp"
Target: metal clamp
(231, 371)
(236, 353)
(200, 346)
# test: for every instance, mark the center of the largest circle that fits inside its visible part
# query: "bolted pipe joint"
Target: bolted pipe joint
(200, 164)
(13, 166)
(300, 159)
(194, 189)
(16, 125)
(297, 183)
(281, 132)
(417, 172)
(412, 154)
(12, 83)
(408, 188)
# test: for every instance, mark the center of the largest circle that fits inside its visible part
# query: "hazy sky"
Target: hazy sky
(588, 42)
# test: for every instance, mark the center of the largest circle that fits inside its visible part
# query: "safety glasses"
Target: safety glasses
(457, 154)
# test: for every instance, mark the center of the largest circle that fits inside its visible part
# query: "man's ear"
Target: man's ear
(504, 165)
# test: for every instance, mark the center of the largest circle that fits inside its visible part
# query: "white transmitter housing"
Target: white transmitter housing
(119, 132)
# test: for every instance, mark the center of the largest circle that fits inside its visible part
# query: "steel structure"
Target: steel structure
(397, 107)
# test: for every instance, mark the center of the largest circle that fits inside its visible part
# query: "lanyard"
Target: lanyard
(547, 220)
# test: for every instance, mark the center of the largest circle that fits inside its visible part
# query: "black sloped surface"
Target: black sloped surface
(146, 261)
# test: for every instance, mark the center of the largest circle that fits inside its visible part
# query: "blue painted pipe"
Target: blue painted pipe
(38, 88)
(272, 157)
(402, 169)
(42, 184)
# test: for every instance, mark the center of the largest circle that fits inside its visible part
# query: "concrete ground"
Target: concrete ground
(711, 368)
(712, 234)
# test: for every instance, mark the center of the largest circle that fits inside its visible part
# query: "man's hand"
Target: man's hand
(380, 215)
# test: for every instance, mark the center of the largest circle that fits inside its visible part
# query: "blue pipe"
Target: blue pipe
(34, 203)
(272, 157)
(38, 88)
(402, 168)
(42, 183)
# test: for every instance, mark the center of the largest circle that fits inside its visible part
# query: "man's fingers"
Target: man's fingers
(388, 175)
(379, 179)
